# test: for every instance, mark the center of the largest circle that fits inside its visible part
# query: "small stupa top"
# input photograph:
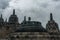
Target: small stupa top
(1, 18)
(13, 18)
(51, 17)
(52, 26)
(13, 11)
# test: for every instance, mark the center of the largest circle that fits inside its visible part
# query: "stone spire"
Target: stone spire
(51, 16)
(29, 18)
(52, 26)
(13, 18)
(24, 18)
(1, 18)
(13, 11)
(1, 15)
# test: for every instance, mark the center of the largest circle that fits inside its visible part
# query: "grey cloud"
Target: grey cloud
(4, 4)
(56, 0)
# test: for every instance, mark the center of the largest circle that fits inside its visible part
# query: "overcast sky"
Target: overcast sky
(39, 10)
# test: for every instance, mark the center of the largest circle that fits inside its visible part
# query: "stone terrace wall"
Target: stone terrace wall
(33, 36)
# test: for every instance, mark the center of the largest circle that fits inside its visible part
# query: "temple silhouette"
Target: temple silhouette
(28, 30)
